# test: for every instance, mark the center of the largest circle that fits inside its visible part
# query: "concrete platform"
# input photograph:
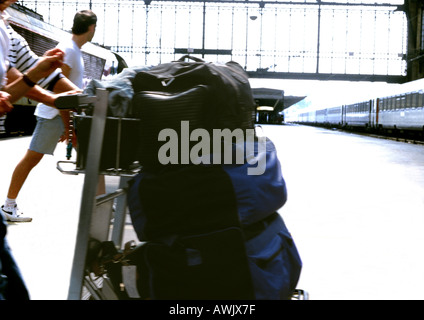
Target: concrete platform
(44, 248)
(355, 210)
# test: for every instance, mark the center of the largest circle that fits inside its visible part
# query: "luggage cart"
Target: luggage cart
(95, 211)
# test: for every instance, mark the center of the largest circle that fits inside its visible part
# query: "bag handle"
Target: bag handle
(187, 56)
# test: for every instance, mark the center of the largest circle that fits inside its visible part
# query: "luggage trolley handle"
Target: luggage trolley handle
(60, 164)
(74, 101)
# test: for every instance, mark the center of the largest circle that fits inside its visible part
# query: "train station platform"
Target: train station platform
(355, 209)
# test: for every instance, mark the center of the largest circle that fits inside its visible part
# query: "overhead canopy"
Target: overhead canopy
(274, 98)
(291, 100)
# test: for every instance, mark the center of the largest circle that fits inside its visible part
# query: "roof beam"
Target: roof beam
(327, 76)
(264, 3)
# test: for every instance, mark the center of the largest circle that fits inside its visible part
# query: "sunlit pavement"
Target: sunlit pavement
(355, 210)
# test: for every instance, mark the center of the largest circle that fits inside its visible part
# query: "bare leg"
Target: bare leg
(20, 174)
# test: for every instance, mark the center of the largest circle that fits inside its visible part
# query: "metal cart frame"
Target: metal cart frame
(95, 211)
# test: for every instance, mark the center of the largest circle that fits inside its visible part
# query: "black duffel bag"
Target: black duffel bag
(206, 95)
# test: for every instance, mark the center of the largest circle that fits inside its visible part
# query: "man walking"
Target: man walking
(50, 125)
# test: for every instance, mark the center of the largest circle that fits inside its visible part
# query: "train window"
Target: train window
(397, 103)
(408, 100)
(420, 100)
(403, 101)
(414, 100)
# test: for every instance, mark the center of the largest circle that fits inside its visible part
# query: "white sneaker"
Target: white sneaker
(15, 215)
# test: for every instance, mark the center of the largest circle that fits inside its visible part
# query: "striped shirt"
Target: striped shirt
(4, 51)
(22, 58)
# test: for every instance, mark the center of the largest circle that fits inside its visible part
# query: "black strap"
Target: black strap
(255, 229)
(187, 56)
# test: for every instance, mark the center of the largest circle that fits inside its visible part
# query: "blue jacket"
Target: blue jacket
(273, 258)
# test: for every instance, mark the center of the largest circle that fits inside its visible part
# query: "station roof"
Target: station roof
(274, 98)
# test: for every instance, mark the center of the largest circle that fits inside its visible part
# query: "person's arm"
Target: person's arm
(23, 58)
(66, 70)
(35, 93)
(45, 66)
(5, 105)
(65, 85)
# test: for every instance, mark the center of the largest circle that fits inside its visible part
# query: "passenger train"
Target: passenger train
(399, 110)
(99, 63)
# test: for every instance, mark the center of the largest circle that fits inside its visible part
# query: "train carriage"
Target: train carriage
(321, 116)
(402, 112)
(335, 116)
(308, 117)
(358, 114)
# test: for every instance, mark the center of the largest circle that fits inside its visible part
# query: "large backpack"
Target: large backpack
(194, 242)
(212, 231)
(207, 95)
